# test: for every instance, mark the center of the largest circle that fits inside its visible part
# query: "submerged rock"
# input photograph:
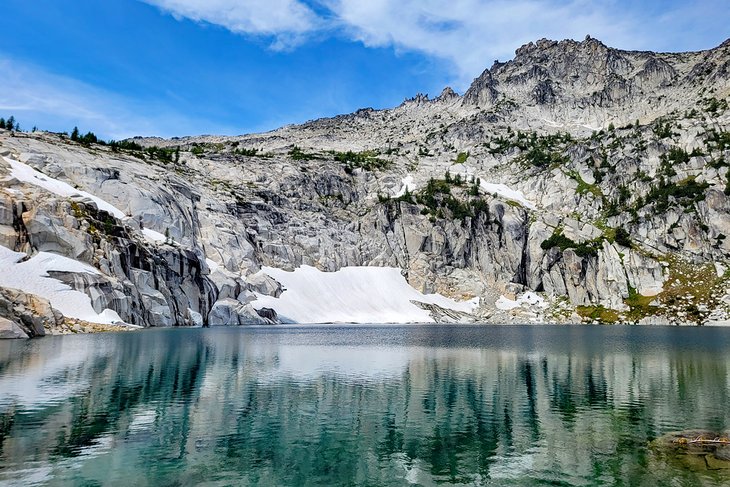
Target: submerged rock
(696, 450)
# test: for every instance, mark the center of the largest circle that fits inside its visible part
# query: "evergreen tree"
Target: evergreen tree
(89, 138)
(10, 123)
(75, 134)
(2, 123)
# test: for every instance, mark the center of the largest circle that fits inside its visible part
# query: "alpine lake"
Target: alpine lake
(369, 405)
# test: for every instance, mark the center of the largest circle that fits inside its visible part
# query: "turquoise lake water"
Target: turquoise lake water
(361, 405)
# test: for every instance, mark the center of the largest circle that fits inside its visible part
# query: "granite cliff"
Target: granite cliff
(576, 182)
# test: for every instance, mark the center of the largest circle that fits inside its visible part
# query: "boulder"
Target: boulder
(26, 315)
(229, 312)
(264, 284)
(10, 329)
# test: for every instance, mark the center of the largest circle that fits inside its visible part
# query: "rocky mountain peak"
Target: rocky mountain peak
(419, 99)
(447, 94)
(585, 80)
(548, 46)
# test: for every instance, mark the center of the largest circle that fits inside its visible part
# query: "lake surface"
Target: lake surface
(360, 405)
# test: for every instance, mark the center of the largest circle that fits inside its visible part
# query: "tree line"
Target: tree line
(10, 124)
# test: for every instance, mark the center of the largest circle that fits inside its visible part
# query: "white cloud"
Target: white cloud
(468, 34)
(286, 20)
(471, 34)
(58, 103)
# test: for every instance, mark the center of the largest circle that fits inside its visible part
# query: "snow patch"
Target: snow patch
(492, 188)
(152, 236)
(212, 265)
(352, 295)
(528, 298)
(506, 192)
(32, 277)
(406, 183)
(25, 173)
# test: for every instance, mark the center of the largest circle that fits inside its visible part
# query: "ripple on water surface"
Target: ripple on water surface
(365, 405)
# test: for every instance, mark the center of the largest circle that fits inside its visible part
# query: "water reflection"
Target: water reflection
(359, 406)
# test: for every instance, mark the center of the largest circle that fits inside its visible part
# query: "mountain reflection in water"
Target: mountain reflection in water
(360, 405)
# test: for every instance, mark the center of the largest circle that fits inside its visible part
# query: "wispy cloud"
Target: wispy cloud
(284, 20)
(467, 34)
(470, 34)
(58, 103)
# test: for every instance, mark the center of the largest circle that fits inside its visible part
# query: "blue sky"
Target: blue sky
(182, 67)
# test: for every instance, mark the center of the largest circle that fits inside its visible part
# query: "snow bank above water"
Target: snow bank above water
(528, 299)
(32, 277)
(352, 295)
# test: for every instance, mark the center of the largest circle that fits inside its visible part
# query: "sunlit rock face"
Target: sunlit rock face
(597, 177)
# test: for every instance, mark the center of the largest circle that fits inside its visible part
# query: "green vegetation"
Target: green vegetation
(538, 150)
(676, 155)
(690, 291)
(166, 155)
(125, 145)
(461, 158)
(663, 129)
(622, 237)
(439, 202)
(714, 106)
(455, 180)
(502, 145)
(588, 248)
(163, 154)
(639, 306)
(298, 154)
(685, 193)
(583, 187)
(86, 139)
(717, 140)
(598, 313)
(539, 157)
(246, 152)
(102, 224)
(541, 151)
(367, 160)
(585, 249)
(10, 124)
